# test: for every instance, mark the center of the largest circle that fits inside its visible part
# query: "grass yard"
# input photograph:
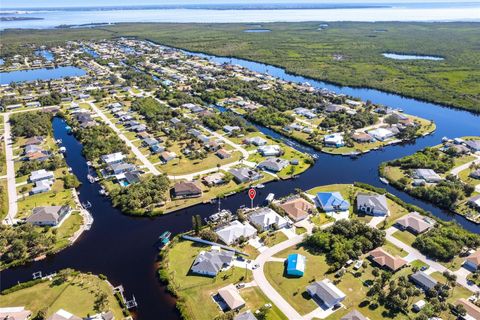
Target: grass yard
(255, 299)
(405, 236)
(67, 229)
(275, 238)
(51, 198)
(197, 290)
(76, 295)
(3, 199)
(394, 250)
(321, 219)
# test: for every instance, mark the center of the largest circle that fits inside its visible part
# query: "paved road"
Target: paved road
(414, 254)
(134, 149)
(11, 184)
(455, 171)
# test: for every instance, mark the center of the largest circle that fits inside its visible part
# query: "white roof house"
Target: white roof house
(334, 139)
(265, 218)
(327, 292)
(41, 174)
(381, 134)
(270, 150)
(233, 231)
(113, 158)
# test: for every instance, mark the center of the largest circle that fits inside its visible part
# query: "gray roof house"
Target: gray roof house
(326, 292)
(427, 174)
(375, 205)
(210, 263)
(354, 315)
(247, 315)
(423, 280)
(273, 164)
(41, 174)
(234, 230)
(242, 175)
(265, 218)
(48, 216)
(474, 145)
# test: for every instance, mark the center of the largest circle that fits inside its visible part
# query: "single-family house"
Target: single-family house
(231, 297)
(334, 140)
(231, 129)
(428, 175)
(223, 154)
(63, 315)
(472, 262)
(386, 260)
(247, 315)
(374, 205)
(326, 292)
(475, 174)
(111, 158)
(48, 216)
(235, 230)
(266, 218)
(474, 145)
(332, 201)
(354, 315)
(156, 148)
(270, 150)
(472, 310)
(297, 209)
(295, 265)
(244, 174)
(273, 164)
(15, 313)
(40, 175)
(362, 137)
(167, 156)
(186, 189)
(256, 141)
(122, 167)
(42, 186)
(423, 280)
(214, 179)
(35, 140)
(415, 223)
(474, 201)
(381, 134)
(210, 263)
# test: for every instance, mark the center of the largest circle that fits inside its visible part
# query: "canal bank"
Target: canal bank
(123, 248)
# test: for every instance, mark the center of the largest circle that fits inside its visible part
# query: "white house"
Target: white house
(113, 158)
(334, 140)
(234, 230)
(41, 174)
(265, 218)
(381, 134)
(270, 150)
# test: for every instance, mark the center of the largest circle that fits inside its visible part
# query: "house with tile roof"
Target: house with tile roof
(415, 223)
(472, 261)
(297, 209)
(386, 260)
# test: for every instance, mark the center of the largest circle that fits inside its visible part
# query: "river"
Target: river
(122, 247)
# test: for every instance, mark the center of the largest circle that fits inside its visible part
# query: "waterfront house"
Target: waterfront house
(428, 175)
(36, 140)
(40, 175)
(186, 189)
(374, 205)
(362, 137)
(48, 216)
(472, 262)
(230, 129)
(15, 313)
(270, 150)
(235, 230)
(273, 164)
(256, 141)
(386, 260)
(231, 297)
(474, 201)
(332, 201)
(415, 223)
(423, 280)
(63, 315)
(266, 219)
(474, 145)
(475, 174)
(244, 174)
(295, 265)
(325, 291)
(214, 179)
(210, 263)
(297, 209)
(112, 158)
(354, 315)
(122, 167)
(381, 134)
(42, 186)
(334, 140)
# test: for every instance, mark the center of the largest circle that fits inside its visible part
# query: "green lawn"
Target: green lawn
(76, 295)
(196, 290)
(275, 238)
(405, 236)
(254, 298)
(67, 229)
(3, 199)
(394, 250)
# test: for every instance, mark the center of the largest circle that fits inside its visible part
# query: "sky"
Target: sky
(5, 4)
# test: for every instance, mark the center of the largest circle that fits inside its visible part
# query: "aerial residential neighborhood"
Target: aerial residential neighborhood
(211, 171)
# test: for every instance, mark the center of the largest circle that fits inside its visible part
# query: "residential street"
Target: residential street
(12, 190)
(455, 171)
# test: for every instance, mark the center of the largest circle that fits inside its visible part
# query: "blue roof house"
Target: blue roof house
(332, 201)
(295, 265)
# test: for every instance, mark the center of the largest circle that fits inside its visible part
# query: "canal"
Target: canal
(122, 247)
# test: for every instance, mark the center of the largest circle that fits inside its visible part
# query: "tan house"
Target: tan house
(473, 312)
(384, 259)
(415, 223)
(231, 297)
(473, 260)
(297, 209)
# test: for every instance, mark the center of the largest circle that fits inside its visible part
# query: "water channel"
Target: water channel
(122, 247)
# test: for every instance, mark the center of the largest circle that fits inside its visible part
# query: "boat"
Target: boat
(270, 197)
(382, 179)
(259, 186)
(164, 239)
(86, 205)
(220, 215)
(69, 129)
(90, 178)
(102, 192)
(62, 149)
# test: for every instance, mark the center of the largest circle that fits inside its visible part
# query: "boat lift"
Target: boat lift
(130, 304)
